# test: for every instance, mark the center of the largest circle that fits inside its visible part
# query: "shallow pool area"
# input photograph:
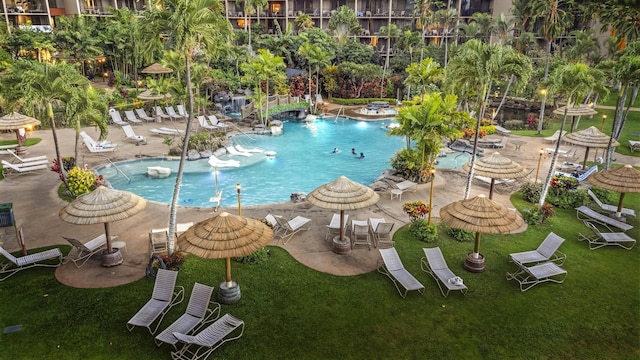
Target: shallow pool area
(304, 160)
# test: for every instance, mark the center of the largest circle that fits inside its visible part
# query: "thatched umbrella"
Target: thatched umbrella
(226, 236)
(149, 95)
(480, 215)
(575, 110)
(17, 122)
(342, 194)
(495, 167)
(590, 137)
(624, 180)
(103, 205)
(156, 69)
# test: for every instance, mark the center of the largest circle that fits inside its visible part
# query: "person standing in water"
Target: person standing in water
(353, 151)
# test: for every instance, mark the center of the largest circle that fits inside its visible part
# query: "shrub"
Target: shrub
(68, 162)
(173, 262)
(531, 192)
(532, 216)
(514, 124)
(567, 199)
(461, 235)
(259, 256)
(423, 231)
(407, 164)
(81, 181)
(532, 121)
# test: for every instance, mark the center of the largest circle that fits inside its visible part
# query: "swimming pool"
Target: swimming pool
(303, 161)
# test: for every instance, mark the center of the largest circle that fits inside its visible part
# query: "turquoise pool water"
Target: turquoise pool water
(303, 161)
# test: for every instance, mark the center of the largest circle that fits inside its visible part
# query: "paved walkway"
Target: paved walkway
(36, 207)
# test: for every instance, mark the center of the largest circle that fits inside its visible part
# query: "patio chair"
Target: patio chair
(197, 315)
(9, 168)
(610, 238)
(143, 115)
(391, 265)
(271, 219)
(84, 252)
(233, 151)
(585, 213)
(546, 251)
(360, 233)
(291, 227)
(249, 150)
(162, 299)
(165, 131)
(530, 276)
(37, 160)
(16, 264)
(173, 114)
(158, 241)
(435, 265)
(97, 147)
(132, 136)
(609, 208)
(200, 346)
(634, 145)
(556, 136)
(333, 229)
(116, 118)
(381, 233)
(202, 120)
(161, 114)
(131, 117)
(182, 112)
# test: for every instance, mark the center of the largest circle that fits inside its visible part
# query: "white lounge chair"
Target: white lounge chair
(381, 231)
(116, 118)
(198, 314)
(214, 121)
(9, 168)
(132, 136)
(271, 219)
(162, 299)
(585, 213)
(206, 341)
(143, 115)
(233, 151)
(204, 124)
(546, 251)
(250, 150)
(158, 241)
(610, 238)
(131, 117)
(216, 162)
(16, 264)
(182, 111)
(407, 186)
(634, 145)
(360, 233)
(23, 160)
(530, 276)
(161, 114)
(610, 208)
(391, 265)
(83, 252)
(434, 264)
(581, 177)
(333, 229)
(556, 136)
(173, 114)
(96, 147)
(291, 227)
(165, 131)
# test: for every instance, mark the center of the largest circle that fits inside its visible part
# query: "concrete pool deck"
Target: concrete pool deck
(36, 207)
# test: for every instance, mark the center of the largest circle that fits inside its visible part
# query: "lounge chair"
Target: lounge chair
(556, 136)
(36, 160)
(502, 131)
(400, 188)
(164, 131)
(271, 219)
(158, 241)
(585, 213)
(84, 252)
(464, 146)
(581, 177)
(16, 264)
(360, 233)
(333, 229)
(215, 162)
(173, 114)
(381, 231)
(131, 135)
(205, 125)
(250, 150)
(95, 147)
(634, 145)
(197, 315)
(213, 120)
(391, 265)
(530, 276)
(143, 115)
(435, 265)
(161, 114)
(610, 208)
(233, 151)
(291, 227)
(116, 118)
(610, 238)
(8, 147)
(200, 346)
(162, 299)
(182, 112)
(9, 168)
(131, 117)
(546, 251)
(500, 145)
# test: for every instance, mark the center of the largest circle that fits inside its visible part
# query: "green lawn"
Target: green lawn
(293, 312)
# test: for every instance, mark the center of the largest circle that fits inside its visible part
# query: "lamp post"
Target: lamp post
(604, 118)
(543, 92)
(538, 168)
(238, 188)
(433, 179)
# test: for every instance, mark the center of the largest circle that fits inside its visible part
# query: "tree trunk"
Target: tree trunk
(63, 175)
(504, 97)
(554, 159)
(544, 97)
(481, 103)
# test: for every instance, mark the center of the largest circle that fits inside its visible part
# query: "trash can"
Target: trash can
(6, 214)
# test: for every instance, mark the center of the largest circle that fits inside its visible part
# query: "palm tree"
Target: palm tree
(389, 32)
(477, 65)
(187, 25)
(315, 57)
(572, 82)
(423, 74)
(424, 18)
(445, 18)
(582, 46)
(264, 67)
(344, 23)
(87, 105)
(77, 37)
(303, 23)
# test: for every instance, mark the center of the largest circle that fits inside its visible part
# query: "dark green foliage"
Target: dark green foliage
(460, 235)
(260, 256)
(407, 163)
(514, 124)
(531, 192)
(423, 231)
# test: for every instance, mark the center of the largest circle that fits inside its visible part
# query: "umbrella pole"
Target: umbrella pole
(341, 225)
(476, 247)
(228, 272)
(619, 212)
(107, 233)
(493, 181)
(586, 154)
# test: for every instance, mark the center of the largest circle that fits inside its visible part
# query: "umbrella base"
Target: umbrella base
(473, 264)
(228, 295)
(619, 218)
(341, 247)
(22, 150)
(112, 259)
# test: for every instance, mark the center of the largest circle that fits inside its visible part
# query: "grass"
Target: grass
(28, 142)
(293, 312)
(613, 97)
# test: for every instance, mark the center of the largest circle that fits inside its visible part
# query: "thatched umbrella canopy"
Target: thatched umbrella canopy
(149, 95)
(480, 215)
(343, 194)
(156, 69)
(16, 121)
(590, 137)
(575, 110)
(102, 205)
(624, 180)
(496, 166)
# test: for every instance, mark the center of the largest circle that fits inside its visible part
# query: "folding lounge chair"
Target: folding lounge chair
(381, 231)
(84, 252)
(161, 114)
(158, 241)
(206, 341)
(610, 238)
(391, 265)
(182, 112)
(333, 229)
(530, 276)
(162, 299)
(197, 315)
(434, 264)
(250, 150)
(233, 151)
(634, 145)
(167, 131)
(16, 264)
(116, 118)
(131, 135)
(96, 147)
(291, 227)
(609, 208)
(586, 213)
(204, 124)
(131, 117)
(9, 168)
(213, 120)
(407, 186)
(173, 114)
(556, 136)
(546, 251)
(360, 233)
(143, 115)
(37, 160)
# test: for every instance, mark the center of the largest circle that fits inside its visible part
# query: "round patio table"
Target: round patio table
(518, 144)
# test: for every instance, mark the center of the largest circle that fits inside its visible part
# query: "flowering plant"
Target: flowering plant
(173, 262)
(416, 209)
(81, 181)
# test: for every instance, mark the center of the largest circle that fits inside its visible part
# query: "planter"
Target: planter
(112, 259)
(474, 264)
(341, 247)
(229, 294)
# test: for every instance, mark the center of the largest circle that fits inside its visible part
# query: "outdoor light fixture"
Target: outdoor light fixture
(539, 159)
(239, 188)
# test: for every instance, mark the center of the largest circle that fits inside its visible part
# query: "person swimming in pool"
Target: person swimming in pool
(361, 156)
(335, 150)
(353, 151)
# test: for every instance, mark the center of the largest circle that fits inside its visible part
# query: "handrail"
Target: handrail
(338, 114)
(118, 169)
(237, 128)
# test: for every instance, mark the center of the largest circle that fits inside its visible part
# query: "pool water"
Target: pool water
(303, 161)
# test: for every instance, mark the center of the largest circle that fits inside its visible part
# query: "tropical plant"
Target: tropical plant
(421, 75)
(303, 23)
(81, 181)
(264, 67)
(77, 38)
(344, 23)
